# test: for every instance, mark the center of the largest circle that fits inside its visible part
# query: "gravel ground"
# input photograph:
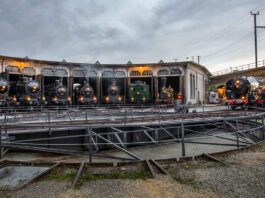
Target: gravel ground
(151, 188)
(245, 177)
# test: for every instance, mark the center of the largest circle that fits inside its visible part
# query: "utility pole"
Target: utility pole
(255, 36)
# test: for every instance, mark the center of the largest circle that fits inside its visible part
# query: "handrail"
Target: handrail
(239, 68)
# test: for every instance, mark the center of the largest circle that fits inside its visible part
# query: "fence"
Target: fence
(239, 68)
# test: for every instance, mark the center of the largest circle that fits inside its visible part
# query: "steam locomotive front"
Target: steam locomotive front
(113, 94)
(60, 95)
(87, 95)
(237, 92)
(32, 89)
(139, 92)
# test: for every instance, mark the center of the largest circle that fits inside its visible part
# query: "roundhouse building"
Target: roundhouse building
(188, 79)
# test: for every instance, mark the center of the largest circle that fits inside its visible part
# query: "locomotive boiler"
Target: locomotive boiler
(113, 96)
(4, 88)
(57, 94)
(139, 92)
(84, 94)
(166, 94)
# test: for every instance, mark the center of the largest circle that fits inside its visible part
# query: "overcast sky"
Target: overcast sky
(116, 31)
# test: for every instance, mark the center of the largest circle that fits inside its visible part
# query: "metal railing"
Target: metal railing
(119, 115)
(119, 137)
(239, 68)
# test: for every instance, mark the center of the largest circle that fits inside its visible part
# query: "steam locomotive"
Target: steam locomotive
(245, 91)
(27, 92)
(4, 88)
(113, 96)
(260, 98)
(139, 92)
(57, 94)
(237, 91)
(84, 94)
(166, 94)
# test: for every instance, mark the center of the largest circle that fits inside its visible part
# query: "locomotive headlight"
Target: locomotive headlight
(14, 99)
(28, 98)
(82, 98)
(138, 92)
(119, 98)
(3, 87)
(69, 98)
(225, 97)
(107, 98)
(95, 98)
(132, 98)
(55, 98)
(143, 99)
(243, 98)
(43, 98)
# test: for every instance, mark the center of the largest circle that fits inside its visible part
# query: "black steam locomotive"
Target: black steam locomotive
(4, 88)
(84, 94)
(57, 94)
(113, 96)
(237, 92)
(27, 92)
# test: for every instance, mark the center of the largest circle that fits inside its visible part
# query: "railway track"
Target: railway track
(155, 168)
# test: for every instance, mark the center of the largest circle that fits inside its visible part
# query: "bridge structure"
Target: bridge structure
(220, 77)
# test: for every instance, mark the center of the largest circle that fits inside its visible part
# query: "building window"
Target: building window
(79, 73)
(192, 86)
(147, 73)
(135, 73)
(120, 74)
(175, 72)
(163, 72)
(91, 74)
(108, 74)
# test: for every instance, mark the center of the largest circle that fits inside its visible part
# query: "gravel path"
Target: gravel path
(245, 177)
(151, 188)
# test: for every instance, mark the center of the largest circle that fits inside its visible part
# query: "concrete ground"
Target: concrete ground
(164, 151)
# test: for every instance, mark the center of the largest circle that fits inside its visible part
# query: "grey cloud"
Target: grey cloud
(118, 31)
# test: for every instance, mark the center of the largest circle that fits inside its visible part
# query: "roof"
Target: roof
(65, 63)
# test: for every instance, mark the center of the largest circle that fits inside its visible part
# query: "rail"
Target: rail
(239, 68)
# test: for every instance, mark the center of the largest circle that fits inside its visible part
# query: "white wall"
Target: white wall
(200, 78)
